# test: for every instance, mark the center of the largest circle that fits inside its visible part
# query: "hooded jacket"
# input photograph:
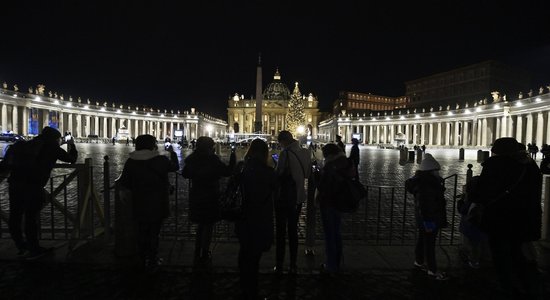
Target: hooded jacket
(518, 214)
(299, 165)
(145, 173)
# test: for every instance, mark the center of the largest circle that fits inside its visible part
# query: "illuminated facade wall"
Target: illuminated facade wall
(28, 113)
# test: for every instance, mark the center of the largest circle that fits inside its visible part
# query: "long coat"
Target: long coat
(145, 173)
(518, 214)
(205, 171)
(259, 182)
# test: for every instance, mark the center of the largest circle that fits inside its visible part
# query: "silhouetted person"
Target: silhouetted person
(430, 213)
(292, 168)
(340, 144)
(255, 229)
(354, 155)
(336, 167)
(113, 140)
(31, 164)
(205, 169)
(145, 174)
(509, 187)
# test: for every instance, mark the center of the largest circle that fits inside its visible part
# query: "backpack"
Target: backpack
(349, 193)
(21, 155)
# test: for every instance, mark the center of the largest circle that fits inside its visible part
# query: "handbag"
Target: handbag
(232, 199)
(477, 210)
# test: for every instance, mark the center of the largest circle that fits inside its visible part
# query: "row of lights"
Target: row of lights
(450, 113)
(118, 111)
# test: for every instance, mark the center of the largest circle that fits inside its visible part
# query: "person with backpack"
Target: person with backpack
(293, 167)
(428, 188)
(30, 164)
(145, 174)
(336, 167)
(509, 189)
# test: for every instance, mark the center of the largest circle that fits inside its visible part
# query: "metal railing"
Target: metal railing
(77, 212)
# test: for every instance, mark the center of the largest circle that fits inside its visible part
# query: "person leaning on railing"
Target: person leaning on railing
(30, 165)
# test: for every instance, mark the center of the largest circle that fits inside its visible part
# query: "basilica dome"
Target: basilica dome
(276, 90)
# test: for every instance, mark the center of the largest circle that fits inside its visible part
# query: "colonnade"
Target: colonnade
(527, 120)
(27, 114)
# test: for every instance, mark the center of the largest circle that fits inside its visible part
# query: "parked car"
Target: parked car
(10, 137)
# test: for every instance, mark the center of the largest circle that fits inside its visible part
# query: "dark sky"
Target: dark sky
(165, 56)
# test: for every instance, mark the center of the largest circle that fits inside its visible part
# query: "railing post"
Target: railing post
(107, 197)
(469, 173)
(546, 213)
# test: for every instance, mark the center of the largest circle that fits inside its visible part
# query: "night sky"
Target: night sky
(166, 56)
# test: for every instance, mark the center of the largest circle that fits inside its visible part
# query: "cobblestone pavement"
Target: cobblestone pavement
(38, 280)
(369, 273)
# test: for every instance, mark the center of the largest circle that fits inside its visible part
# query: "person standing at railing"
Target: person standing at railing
(205, 169)
(293, 167)
(30, 164)
(145, 174)
(509, 188)
(336, 166)
(427, 186)
(255, 228)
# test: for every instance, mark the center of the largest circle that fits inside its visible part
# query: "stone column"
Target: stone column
(540, 129)
(407, 134)
(447, 133)
(171, 134)
(456, 141)
(79, 125)
(484, 132)
(479, 130)
(25, 119)
(113, 127)
(96, 125)
(529, 129)
(87, 126)
(438, 134)
(519, 129)
(105, 132)
(465, 133)
(45, 119)
(348, 134)
(431, 134)
(371, 133)
(365, 134)
(392, 134)
(504, 126)
(423, 134)
(70, 127)
(510, 126)
(547, 128)
(4, 117)
(129, 125)
(498, 128)
(414, 134)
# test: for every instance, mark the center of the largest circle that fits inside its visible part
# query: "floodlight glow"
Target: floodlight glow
(450, 113)
(300, 129)
(37, 99)
(56, 102)
(519, 104)
(496, 106)
(102, 109)
(478, 109)
(69, 104)
(118, 111)
(538, 99)
(432, 115)
(402, 118)
(86, 107)
(209, 128)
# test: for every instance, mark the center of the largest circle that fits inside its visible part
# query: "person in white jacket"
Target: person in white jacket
(293, 168)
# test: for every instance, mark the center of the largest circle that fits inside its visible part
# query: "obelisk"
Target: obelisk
(258, 121)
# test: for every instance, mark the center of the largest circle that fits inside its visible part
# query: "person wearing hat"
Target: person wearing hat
(354, 155)
(204, 169)
(30, 172)
(430, 213)
(509, 189)
(145, 174)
